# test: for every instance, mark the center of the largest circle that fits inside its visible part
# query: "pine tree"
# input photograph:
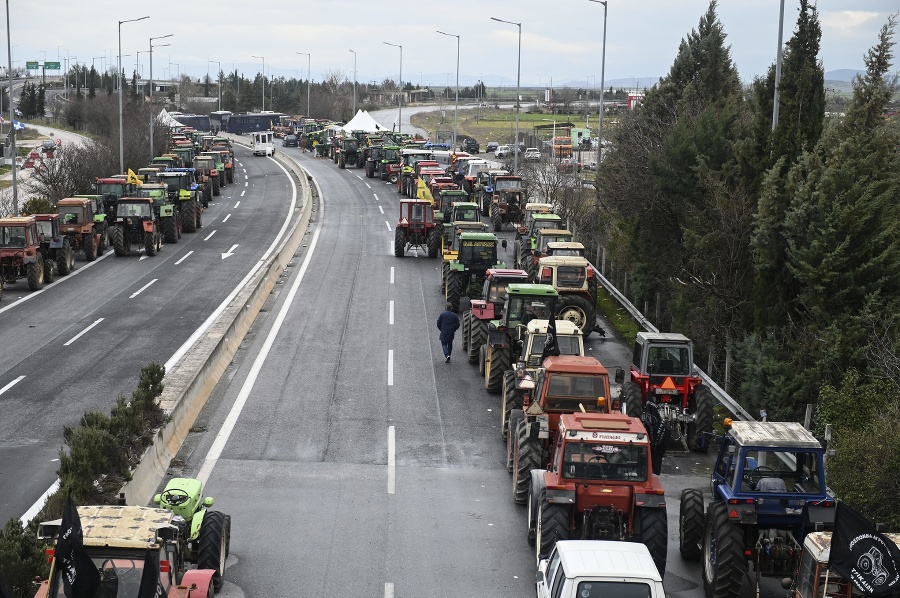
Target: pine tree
(41, 101)
(92, 83)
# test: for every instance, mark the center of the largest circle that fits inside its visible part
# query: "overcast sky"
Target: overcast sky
(561, 39)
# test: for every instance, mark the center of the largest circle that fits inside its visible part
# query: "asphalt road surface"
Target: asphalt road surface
(81, 342)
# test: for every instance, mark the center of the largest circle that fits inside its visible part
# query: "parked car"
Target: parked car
(469, 145)
(568, 165)
(290, 141)
(491, 146)
(532, 154)
(503, 150)
(578, 568)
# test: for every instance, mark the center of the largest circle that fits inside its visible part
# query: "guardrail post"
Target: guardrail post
(603, 263)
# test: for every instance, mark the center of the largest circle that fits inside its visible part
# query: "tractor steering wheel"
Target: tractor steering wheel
(175, 496)
(598, 458)
(755, 475)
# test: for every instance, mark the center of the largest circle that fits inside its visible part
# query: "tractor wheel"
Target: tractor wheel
(49, 271)
(485, 205)
(536, 497)
(189, 216)
(466, 319)
(215, 185)
(632, 401)
(495, 218)
(342, 163)
(370, 170)
(229, 174)
(690, 524)
(454, 289)
(509, 400)
(211, 549)
(699, 431)
(34, 272)
(552, 525)
(169, 229)
(482, 359)
(227, 535)
(207, 195)
(445, 274)
(433, 241)
(478, 334)
(90, 250)
(150, 243)
(222, 180)
(578, 310)
(118, 241)
(724, 564)
(65, 258)
(515, 418)
(493, 375)
(654, 534)
(399, 242)
(393, 178)
(528, 457)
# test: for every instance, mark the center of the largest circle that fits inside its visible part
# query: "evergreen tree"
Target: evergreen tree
(92, 83)
(41, 101)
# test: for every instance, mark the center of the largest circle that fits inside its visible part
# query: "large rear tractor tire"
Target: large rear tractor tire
(515, 418)
(552, 526)
(454, 289)
(89, 247)
(169, 229)
(117, 238)
(493, 374)
(342, 163)
(370, 170)
(485, 205)
(690, 524)
(49, 271)
(579, 311)
(65, 259)
(699, 432)
(215, 185)
(150, 244)
(632, 403)
(509, 402)
(496, 220)
(189, 216)
(434, 243)
(393, 178)
(399, 242)
(229, 174)
(211, 549)
(222, 180)
(724, 563)
(34, 272)
(478, 334)
(654, 534)
(528, 457)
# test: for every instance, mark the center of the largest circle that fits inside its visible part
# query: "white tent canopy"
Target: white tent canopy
(363, 121)
(167, 119)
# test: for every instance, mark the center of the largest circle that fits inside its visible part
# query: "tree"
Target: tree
(41, 101)
(92, 83)
(21, 558)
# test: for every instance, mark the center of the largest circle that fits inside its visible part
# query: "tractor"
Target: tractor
(465, 274)
(489, 186)
(416, 229)
(207, 176)
(486, 308)
(524, 303)
(166, 210)
(528, 259)
(574, 280)
(508, 199)
(184, 193)
(136, 223)
(55, 247)
(387, 166)
(219, 158)
(374, 155)
(599, 486)
(444, 200)
(458, 216)
(526, 243)
(118, 540)
(346, 151)
(112, 189)
(662, 373)
(768, 492)
(83, 220)
(20, 253)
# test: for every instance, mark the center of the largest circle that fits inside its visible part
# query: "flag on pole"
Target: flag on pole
(551, 347)
(862, 555)
(18, 126)
(151, 586)
(80, 576)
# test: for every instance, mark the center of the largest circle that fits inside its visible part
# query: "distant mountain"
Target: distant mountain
(842, 75)
(629, 83)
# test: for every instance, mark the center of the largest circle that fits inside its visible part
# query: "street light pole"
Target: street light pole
(456, 106)
(775, 108)
(602, 85)
(400, 96)
(263, 79)
(354, 82)
(12, 118)
(121, 119)
(152, 109)
(308, 81)
(518, 84)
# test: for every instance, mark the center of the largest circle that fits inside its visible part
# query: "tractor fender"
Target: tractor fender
(650, 500)
(98, 218)
(457, 267)
(197, 523)
(558, 497)
(29, 259)
(148, 226)
(495, 337)
(202, 578)
(481, 309)
(57, 243)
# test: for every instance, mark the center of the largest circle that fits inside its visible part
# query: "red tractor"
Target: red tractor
(481, 311)
(20, 253)
(416, 229)
(598, 485)
(662, 373)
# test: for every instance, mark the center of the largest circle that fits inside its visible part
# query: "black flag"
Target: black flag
(862, 555)
(551, 347)
(151, 587)
(80, 576)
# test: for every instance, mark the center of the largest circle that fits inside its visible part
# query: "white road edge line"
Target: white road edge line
(392, 468)
(186, 256)
(218, 445)
(225, 219)
(392, 275)
(82, 333)
(60, 280)
(39, 503)
(391, 313)
(11, 384)
(388, 590)
(209, 236)
(368, 185)
(142, 289)
(390, 367)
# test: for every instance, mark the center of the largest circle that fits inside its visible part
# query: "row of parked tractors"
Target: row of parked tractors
(127, 212)
(586, 461)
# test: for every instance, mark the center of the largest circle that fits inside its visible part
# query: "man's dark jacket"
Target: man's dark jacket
(447, 323)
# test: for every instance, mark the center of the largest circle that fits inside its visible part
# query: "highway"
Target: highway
(81, 342)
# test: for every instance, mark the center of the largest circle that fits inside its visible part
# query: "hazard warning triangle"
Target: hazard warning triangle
(667, 383)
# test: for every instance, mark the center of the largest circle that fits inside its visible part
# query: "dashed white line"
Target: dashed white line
(376, 196)
(387, 224)
(225, 219)
(391, 367)
(82, 333)
(244, 169)
(382, 209)
(11, 384)
(246, 176)
(392, 275)
(246, 184)
(391, 313)
(368, 185)
(186, 255)
(392, 476)
(238, 203)
(359, 177)
(242, 195)
(209, 236)
(388, 590)
(142, 289)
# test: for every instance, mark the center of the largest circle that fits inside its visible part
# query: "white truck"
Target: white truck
(264, 143)
(595, 568)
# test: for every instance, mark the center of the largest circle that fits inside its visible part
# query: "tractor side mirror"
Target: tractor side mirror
(157, 498)
(620, 376)
(539, 577)
(503, 243)
(208, 501)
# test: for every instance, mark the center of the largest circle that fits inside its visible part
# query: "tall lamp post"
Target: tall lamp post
(308, 81)
(602, 85)
(354, 82)
(456, 105)
(220, 81)
(263, 79)
(12, 117)
(121, 119)
(518, 83)
(152, 115)
(776, 106)
(400, 95)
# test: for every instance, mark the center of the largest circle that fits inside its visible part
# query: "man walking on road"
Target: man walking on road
(447, 323)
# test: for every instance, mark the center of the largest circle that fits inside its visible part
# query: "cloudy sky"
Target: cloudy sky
(561, 39)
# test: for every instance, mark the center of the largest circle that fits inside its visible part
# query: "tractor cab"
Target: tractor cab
(532, 208)
(550, 235)
(416, 228)
(134, 209)
(527, 302)
(564, 249)
(112, 189)
(413, 213)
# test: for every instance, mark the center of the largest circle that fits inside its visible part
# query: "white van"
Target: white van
(264, 143)
(599, 568)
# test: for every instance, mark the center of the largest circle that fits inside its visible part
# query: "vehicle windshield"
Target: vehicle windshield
(568, 345)
(771, 470)
(12, 236)
(110, 189)
(507, 184)
(119, 577)
(571, 277)
(669, 360)
(568, 252)
(619, 589)
(594, 461)
(542, 223)
(351, 144)
(523, 309)
(152, 193)
(71, 214)
(133, 209)
(565, 392)
(469, 214)
(390, 155)
(478, 252)
(45, 229)
(172, 183)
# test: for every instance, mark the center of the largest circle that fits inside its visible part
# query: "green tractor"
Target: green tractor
(220, 165)
(166, 210)
(184, 193)
(209, 536)
(466, 273)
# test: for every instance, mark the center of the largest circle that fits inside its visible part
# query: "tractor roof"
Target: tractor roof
(46, 217)
(565, 245)
(610, 427)
(554, 232)
(507, 273)
(600, 559)
(535, 206)
(17, 221)
(74, 201)
(476, 236)
(465, 204)
(663, 337)
(574, 364)
(454, 193)
(136, 200)
(415, 201)
(563, 327)
(543, 290)
(546, 216)
(773, 434)
(115, 526)
(563, 260)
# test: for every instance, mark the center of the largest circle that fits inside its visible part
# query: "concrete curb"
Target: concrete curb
(192, 381)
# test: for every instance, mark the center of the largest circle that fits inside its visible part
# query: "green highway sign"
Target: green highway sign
(31, 65)
(52, 66)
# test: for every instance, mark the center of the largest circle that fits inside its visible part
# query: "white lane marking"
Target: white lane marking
(359, 177)
(246, 176)
(368, 185)
(225, 219)
(392, 473)
(186, 255)
(39, 503)
(11, 384)
(209, 236)
(82, 333)
(244, 169)
(391, 315)
(382, 209)
(246, 184)
(215, 314)
(391, 367)
(392, 275)
(388, 590)
(237, 204)
(218, 445)
(230, 252)
(376, 196)
(241, 195)
(387, 224)
(142, 289)
(60, 280)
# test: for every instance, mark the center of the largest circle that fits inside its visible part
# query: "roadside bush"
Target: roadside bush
(21, 558)
(37, 205)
